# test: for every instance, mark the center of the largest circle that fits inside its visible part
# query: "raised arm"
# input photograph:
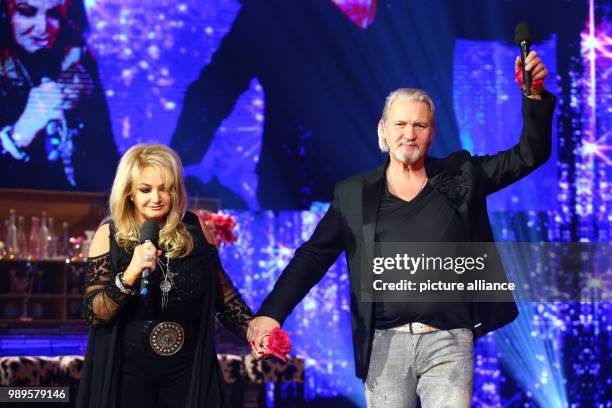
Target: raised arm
(211, 98)
(534, 148)
(108, 290)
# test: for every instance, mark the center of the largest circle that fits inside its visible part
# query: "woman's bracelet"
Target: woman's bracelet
(122, 286)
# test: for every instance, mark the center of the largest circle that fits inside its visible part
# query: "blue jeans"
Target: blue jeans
(438, 367)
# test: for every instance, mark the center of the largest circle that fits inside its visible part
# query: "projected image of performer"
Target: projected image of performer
(324, 76)
(399, 347)
(156, 348)
(54, 121)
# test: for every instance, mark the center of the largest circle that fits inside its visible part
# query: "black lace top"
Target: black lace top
(104, 302)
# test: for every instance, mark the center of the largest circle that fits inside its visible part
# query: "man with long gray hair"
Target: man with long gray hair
(405, 350)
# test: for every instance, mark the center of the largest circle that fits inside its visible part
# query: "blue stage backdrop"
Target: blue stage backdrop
(271, 102)
(553, 355)
(549, 357)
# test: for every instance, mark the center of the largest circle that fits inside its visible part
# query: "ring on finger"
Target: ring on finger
(148, 257)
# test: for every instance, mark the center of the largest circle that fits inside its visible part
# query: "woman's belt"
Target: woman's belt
(163, 338)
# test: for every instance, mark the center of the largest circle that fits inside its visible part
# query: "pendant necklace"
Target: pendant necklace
(167, 283)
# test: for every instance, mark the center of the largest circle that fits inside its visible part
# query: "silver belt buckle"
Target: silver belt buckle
(167, 338)
(421, 328)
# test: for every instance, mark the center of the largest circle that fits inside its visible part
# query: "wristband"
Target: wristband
(122, 286)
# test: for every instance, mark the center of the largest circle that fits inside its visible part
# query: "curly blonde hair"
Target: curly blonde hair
(174, 238)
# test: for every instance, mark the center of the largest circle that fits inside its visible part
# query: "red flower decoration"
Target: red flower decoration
(222, 226)
(279, 344)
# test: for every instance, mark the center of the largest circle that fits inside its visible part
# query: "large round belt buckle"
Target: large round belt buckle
(167, 338)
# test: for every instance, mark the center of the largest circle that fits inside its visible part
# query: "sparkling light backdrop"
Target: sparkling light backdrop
(488, 111)
(148, 56)
(554, 355)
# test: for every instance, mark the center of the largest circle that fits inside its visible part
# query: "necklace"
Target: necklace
(395, 189)
(168, 281)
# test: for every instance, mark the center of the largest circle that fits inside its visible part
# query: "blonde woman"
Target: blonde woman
(155, 349)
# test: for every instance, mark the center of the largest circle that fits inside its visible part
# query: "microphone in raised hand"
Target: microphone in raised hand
(523, 38)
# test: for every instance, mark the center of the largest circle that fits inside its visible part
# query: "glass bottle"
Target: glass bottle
(4, 250)
(22, 239)
(11, 236)
(64, 244)
(51, 239)
(44, 236)
(35, 238)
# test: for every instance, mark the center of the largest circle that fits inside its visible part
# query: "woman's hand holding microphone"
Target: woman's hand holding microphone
(145, 256)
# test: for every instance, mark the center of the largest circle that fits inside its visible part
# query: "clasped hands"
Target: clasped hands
(258, 335)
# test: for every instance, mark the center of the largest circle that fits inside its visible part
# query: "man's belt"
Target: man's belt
(415, 328)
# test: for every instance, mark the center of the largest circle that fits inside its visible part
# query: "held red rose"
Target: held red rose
(279, 344)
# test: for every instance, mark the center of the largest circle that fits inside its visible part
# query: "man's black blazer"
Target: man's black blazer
(350, 224)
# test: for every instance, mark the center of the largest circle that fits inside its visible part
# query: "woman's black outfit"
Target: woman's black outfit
(121, 369)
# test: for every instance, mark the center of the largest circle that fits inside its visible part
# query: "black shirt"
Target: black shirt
(428, 217)
(185, 299)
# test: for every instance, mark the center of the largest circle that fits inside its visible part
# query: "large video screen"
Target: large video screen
(269, 103)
